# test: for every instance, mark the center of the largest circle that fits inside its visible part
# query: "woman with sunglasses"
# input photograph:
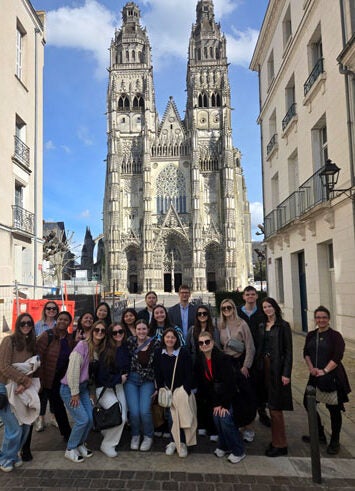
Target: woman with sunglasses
(48, 320)
(238, 343)
(140, 387)
(214, 376)
(103, 313)
(273, 370)
(112, 373)
(75, 391)
(128, 321)
(160, 322)
(203, 322)
(17, 348)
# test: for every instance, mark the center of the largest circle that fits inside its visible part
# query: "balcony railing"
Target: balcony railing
(22, 219)
(131, 167)
(317, 70)
(271, 144)
(22, 151)
(289, 115)
(306, 197)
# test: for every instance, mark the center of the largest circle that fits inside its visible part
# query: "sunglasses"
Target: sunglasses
(98, 330)
(26, 323)
(51, 308)
(116, 333)
(202, 314)
(207, 342)
(227, 307)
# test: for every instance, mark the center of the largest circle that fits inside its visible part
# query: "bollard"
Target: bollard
(313, 433)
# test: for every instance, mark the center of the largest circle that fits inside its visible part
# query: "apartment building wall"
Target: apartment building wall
(304, 119)
(21, 93)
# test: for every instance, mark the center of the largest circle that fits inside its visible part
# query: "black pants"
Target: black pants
(57, 405)
(335, 420)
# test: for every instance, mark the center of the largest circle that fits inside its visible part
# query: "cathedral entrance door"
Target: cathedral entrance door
(211, 282)
(178, 281)
(167, 282)
(133, 283)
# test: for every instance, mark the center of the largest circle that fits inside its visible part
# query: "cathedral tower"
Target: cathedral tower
(175, 207)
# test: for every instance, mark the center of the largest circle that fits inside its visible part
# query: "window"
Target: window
(20, 35)
(202, 100)
(22, 151)
(279, 280)
(315, 59)
(287, 26)
(171, 190)
(289, 102)
(330, 256)
(293, 178)
(270, 68)
(272, 133)
(275, 191)
(18, 195)
(319, 144)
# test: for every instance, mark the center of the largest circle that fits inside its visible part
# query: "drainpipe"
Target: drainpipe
(35, 168)
(348, 73)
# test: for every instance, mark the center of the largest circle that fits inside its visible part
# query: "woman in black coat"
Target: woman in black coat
(273, 368)
(323, 352)
(216, 385)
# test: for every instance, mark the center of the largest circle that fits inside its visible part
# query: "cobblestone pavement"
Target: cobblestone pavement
(200, 470)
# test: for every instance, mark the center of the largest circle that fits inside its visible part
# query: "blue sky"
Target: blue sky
(78, 34)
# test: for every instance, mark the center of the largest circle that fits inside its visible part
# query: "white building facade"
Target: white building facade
(175, 206)
(21, 89)
(307, 117)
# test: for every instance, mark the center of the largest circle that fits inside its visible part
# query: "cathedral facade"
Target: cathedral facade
(175, 205)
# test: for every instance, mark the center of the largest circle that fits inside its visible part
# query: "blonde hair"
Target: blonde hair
(222, 323)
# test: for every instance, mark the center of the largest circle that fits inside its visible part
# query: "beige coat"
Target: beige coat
(184, 415)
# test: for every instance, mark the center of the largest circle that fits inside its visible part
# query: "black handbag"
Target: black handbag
(3, 401)
(106, 418)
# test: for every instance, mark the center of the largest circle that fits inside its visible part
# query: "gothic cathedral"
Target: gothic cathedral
(175, 205)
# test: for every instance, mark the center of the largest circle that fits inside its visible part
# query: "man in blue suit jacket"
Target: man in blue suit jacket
(183, 313)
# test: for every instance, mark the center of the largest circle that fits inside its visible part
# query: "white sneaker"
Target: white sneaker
(235, 459)
(183, 450)
(214, 438)
(135, 442)
(202, 432)
(53, 421)
(109, 452)
(18, 462)
(73, 455)
(39, 424)
(248, 435)
(84, 451)
(146, 444)
(170, 449)
(219, 453)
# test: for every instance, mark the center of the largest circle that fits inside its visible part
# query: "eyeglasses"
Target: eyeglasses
(207, 342)
(116, 333)
(51, 308)
(98, 330)
(26, 323)
(227, 307)
(202, 314)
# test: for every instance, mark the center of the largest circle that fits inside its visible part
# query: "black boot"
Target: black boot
(264, 418)
(334, 446)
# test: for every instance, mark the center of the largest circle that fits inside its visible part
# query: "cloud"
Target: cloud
(49, 145)
(85, 214)
(257, 214)
(66, 149)
(89, 28)
(240, 46)
(83, 135)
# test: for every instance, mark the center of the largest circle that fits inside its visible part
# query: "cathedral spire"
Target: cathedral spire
(205, 11)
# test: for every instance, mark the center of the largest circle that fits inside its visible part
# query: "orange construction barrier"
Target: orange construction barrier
(35, 307)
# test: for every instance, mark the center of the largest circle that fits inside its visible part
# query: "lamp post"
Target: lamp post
(261, 258)
(329, 175)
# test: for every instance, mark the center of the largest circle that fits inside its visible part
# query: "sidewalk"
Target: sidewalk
(201, 470)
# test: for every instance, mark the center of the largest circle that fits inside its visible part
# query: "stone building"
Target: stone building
(21, 93)
(305, 59)
(175, 206)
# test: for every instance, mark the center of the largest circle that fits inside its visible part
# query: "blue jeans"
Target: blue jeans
(15, 434)
(229, 437)
(139, 400)
(82, 415)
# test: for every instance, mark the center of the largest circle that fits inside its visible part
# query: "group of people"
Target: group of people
(217, 374)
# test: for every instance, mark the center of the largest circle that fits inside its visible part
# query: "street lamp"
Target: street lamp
(261, 257)
(329, 176)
